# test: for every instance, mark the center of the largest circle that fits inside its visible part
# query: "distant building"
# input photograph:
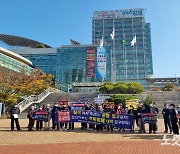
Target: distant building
(43, 58)
(13, 61)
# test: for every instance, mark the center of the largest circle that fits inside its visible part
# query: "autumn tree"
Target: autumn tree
(16, 84)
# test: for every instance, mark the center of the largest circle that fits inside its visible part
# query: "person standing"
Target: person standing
(153, 109)
(55, 110)
(30, 117)
(166, 117)
(131, 111)
(141, 109)
(174, 120)
(14, 117)
(47, 123)
(39, 123)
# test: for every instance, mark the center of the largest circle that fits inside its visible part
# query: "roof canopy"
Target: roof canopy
(20, 41)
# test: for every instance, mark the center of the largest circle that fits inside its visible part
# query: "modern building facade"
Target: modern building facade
(130, 63)
(42, 58)
(77, 64)
(14, 62)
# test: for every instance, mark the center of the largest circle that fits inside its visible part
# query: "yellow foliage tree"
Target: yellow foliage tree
(16, 84)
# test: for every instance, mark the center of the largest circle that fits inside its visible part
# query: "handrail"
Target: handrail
(34, 99)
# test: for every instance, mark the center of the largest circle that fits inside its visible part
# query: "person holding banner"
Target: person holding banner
(47, 123)
(55, 110)
(14, 117)
(30, 117)
(39, 123)
(178, 109)
(71, 124)
(141, 109)
(91, 126)
(174, 120)
(152, 109)
(131, 111)
(166, 117)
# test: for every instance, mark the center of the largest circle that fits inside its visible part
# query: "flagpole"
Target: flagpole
(137, 67)
(114, 55)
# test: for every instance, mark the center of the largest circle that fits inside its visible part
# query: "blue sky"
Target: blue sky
(56, 21)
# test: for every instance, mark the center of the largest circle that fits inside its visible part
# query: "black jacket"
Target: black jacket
(166, 114)
(14, 110)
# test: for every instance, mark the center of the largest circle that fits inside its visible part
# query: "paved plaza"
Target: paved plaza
(78, 141)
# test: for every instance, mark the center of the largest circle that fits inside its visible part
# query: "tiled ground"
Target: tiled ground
(79, 141)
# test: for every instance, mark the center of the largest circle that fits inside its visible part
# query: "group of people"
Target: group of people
(169, 115)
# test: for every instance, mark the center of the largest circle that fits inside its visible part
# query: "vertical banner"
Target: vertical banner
(90, 61)
(0, 109)
(101, 63)
(63, 116)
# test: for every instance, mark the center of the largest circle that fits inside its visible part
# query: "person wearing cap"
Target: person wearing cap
(47, 123)
(166, 117)
(174, 120)
(14, 111)
(30, 117)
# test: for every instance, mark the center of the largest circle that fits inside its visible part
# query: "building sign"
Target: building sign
(90, 61)
(118, 13)
(101, 63)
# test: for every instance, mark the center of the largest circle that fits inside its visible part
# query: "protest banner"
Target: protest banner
(132, 102)
(41, 115)
(97, 117)
(109, 103)
(83, 100)
(150, 118)
(63, 101)
(63, 116)
(78, 105)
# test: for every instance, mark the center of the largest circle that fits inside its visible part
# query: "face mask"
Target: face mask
(119, 107)
(40, 108)
(15, 105)
(56, 105)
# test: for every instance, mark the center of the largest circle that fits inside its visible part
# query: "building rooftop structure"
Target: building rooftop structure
(12, 40)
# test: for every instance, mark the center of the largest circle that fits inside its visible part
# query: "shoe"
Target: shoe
(150, 132)
(170, 133)
(165, 132)
(154, 132)
(144, 131)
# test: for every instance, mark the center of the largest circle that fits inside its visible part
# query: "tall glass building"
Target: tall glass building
(129, 63)
(80, 64)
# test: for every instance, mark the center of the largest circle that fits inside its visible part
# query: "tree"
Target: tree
(16, 84)
(135, 88)
(120, 98)
(149, 99)
(169, 87)
(121, 88)
(107, 87)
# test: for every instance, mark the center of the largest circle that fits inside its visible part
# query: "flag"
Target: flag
(101, 43)
(123, 41)
(113, 34)
(133, 41)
